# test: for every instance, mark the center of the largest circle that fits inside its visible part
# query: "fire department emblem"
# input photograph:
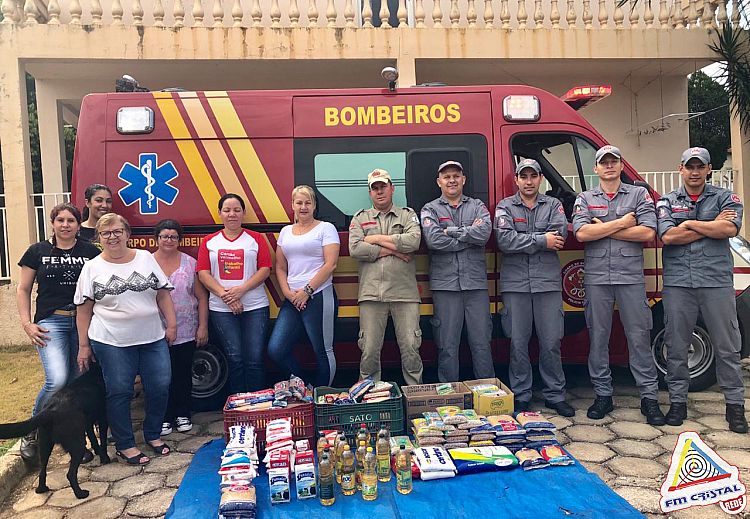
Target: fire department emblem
(573, 291)
(148, 183)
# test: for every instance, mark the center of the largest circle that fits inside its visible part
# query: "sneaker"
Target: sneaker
(520, 406)
(29, 447)
(563, 408)
(601, 406)
(677, 413)
(650, 409)
(183, 424)
(735, 415)
(166, 428)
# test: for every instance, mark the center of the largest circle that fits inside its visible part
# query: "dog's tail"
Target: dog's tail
(18, 429)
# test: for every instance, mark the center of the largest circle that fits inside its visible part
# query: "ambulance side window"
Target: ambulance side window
(337, 169)
(566, 162)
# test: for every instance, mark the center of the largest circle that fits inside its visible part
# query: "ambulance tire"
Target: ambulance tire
(210, 374)
(701, 358)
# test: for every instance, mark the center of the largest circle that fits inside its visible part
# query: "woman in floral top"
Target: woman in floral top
(190, 299)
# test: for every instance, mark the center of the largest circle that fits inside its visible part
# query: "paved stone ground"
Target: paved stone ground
(626, 453)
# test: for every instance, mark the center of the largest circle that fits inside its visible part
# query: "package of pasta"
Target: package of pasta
(505, 425)
(530, 459)
(555, 455)
(360, 388)
(531, 420)
(482, 459)
(451, 414)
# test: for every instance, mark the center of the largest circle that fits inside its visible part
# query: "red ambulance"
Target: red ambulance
(173, 154)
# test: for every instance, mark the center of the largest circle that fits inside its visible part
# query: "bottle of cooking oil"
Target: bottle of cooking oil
(348, 476)
(361, 451)
(322, 444)
(383, 455)
(326, 478)
(340, 442)
(370, 477)
(384, 430)
(403, 470)
(363, 435)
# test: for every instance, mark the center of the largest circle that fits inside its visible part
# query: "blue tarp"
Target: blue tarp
(569, 492)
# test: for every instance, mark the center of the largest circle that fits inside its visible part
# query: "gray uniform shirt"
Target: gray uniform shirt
(706, 262)
(610, 261)
(456, 246)
(528, 265)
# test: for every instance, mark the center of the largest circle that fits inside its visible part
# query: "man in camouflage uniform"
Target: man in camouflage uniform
(384, 239)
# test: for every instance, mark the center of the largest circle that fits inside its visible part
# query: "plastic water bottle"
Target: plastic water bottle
(403, 470)
(370, 477)
(348, 476)
(325, 482)
(383, 454)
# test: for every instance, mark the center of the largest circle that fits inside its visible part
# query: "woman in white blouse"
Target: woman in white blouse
(306, 257)
(120, 296)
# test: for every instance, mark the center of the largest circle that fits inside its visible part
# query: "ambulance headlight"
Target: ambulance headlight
(135, 119)
(521, 108)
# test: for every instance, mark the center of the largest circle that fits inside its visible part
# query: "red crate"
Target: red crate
(302, 415)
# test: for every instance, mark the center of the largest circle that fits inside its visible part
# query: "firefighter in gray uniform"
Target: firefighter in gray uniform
(695, 222)
(530, 228)
(614, 220)
(456, 229)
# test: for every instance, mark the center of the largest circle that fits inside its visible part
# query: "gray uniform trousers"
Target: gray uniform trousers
(450, 309)
(635, 315)
(545, 311)
(717, 307)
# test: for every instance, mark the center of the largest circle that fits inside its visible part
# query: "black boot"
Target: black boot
(677, 413)
(601, 406)
(521, 406)
(562, 407)
(650, 409)
(30, 447)
(736, 417)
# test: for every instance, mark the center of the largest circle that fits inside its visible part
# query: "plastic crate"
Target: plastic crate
(348, 418)
(303, 421)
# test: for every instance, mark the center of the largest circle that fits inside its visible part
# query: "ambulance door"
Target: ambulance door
(566, 154)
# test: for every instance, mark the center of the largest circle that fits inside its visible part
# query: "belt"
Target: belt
(68, 313)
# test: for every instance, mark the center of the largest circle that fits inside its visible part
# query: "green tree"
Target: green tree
(710, 130)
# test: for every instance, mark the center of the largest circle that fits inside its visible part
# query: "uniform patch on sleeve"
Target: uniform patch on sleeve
(561, 210)
(735, 198)
(426, 222)
(648, 197)
(579, 209)
(500, 221)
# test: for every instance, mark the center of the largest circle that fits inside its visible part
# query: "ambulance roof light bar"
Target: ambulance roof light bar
(390, 74)
(521, 108)
(581, 96)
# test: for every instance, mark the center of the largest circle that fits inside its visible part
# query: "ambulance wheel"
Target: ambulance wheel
(210, 374)
(701, 361)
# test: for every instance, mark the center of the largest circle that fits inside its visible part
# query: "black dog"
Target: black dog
(66, 420)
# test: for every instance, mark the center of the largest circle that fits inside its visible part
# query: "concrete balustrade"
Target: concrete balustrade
(449, 14)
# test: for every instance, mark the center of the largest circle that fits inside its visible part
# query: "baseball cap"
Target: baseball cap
(607, 150)
(528, 163)
(450, 163)
(696, 153)
(378, 175)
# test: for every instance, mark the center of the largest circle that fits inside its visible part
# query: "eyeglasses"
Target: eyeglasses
(169, 237)
(113, 233)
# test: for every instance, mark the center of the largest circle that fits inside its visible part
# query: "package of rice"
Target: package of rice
(430, 440)
(448, 445)
(482, 436)
(238, 500)
(531, 420)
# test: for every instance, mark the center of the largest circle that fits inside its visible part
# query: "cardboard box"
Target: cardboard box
(491, 405)
(423, 397)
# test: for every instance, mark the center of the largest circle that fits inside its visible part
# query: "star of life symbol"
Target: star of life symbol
(148, 183)
(698, 477)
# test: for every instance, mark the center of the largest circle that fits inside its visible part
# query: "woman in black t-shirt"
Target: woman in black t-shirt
(55, 265)
(98, 203)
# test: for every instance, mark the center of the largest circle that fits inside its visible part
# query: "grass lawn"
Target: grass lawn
(21, 377)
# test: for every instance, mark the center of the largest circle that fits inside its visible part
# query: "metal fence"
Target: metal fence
(661, 181)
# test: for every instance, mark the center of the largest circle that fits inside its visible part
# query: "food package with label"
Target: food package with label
(482, 459)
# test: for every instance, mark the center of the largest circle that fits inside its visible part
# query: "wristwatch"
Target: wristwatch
(309, 291)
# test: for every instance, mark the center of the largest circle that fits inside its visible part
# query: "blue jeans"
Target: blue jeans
(317, 321)
(59, 357)
(120, 365)
(243, 337)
